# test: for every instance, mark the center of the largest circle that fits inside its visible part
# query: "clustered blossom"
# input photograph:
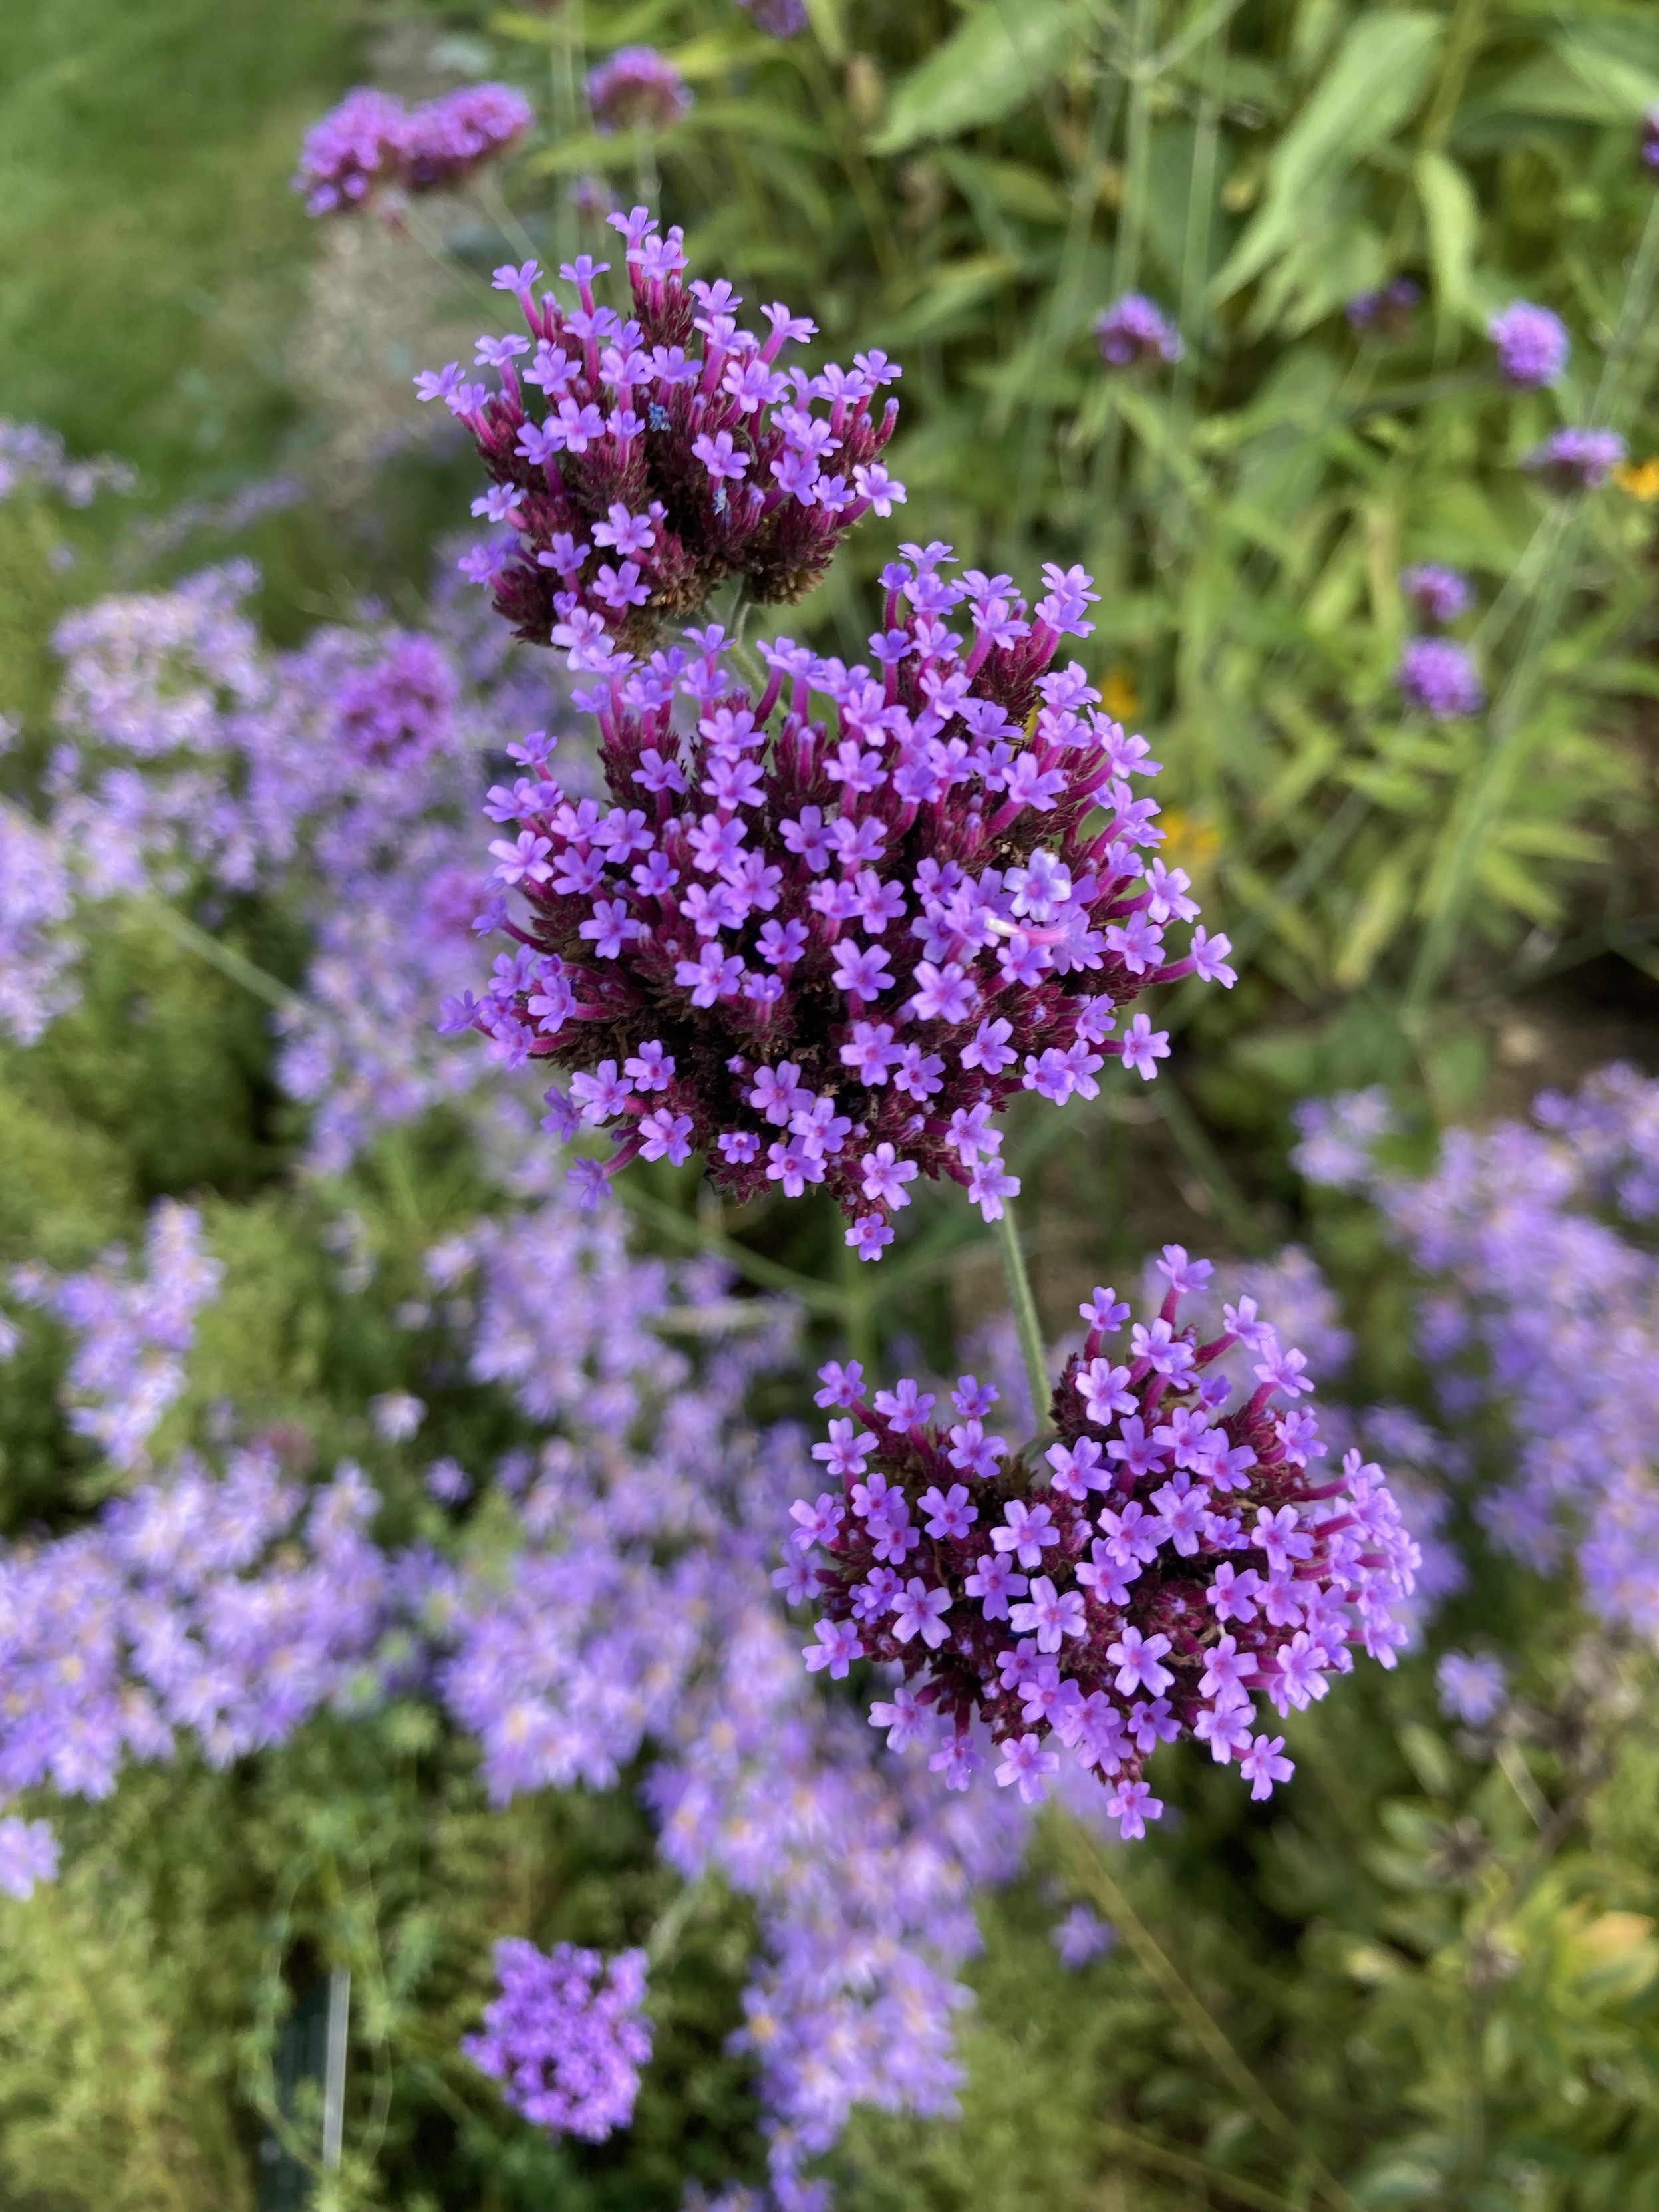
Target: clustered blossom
(1388, 309)
(1437, 675)
(565, 2038)
(371, 142)
(1569, 461)
(636, 88)
(1531, 344)
(34, 458)
(1164, 1565)
(1472, 1689)
(128, 1366)
(672, 451)
(1439, 595)
(28, 1856)
(1133, 329)
(1542, 1306)
(832, 957)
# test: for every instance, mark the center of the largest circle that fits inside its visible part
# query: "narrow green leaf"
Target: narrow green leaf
(1377, 80)
(990, 66)
(1453, 221)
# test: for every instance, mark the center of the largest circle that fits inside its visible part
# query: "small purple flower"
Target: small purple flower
(1574, 461)
(28, 1855)
(1133, 329)
(1531, 344)
(1472, 1689)
(1082, 1935)
(1436, 675)
(349, 152)
(1439, 595)
(637, 89)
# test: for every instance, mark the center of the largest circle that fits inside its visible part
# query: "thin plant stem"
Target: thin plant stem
(229, 963)
(1029, 1328)
(1089, 1866)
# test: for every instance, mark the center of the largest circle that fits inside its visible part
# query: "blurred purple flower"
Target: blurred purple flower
(565, 2038)
(637, 88)
(1472, 1689)
(1081, 1936)
(1439, 595)
(369, 143)
(1390, 309)
(1437, 675)
(1133, 329)
(1531, 344)
(1574, 461)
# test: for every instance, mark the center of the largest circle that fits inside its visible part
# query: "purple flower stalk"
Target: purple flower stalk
(671, 452)
(1471, 1689)
(1439, 595)
(1437, 675)
(1133, 329)
(1388, 310)
(565, 2038)
(832, 955)
(637, 89)
(1531, 344)
(1574, 461)
(370, 142)
(1165, 1564)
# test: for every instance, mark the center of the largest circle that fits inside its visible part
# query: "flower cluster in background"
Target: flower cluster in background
(565, 2038)
(370, 147)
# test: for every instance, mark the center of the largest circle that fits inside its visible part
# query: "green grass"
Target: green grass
(153, 254)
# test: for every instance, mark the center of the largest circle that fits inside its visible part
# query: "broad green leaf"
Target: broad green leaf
(990, 66)
(1376, 80)
(1453, 221)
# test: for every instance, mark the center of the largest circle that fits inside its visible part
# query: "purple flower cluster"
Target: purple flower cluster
(1472, 1690)
(370, 142)
(1543, 1309)
(1216, 1567)
(565, 2038)
(1570, 461)
(1135, 329)
(128, 1366)
(28, 1856)
(670, 452)
(1081, 1937)
(1439, 595)
(636, 88)
(830, 956)
(1437, 675)
(36, 952)
(1531, 344)
(1389, 309)
(33, 459)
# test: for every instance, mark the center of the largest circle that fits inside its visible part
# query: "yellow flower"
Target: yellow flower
(1639, 478)
(1118, 695)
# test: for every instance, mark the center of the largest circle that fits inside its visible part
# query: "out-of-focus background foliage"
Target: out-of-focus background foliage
(1417, 1983)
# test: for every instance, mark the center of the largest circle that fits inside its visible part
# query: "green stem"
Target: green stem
(1026, 1323)
(229, 963)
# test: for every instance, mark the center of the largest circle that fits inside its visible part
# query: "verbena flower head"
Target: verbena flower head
(1161, 1565)
(636, 88)
(1134, 329)
(1437, 675)
(1389, 309)
(669, 451)
(779, 19)
(1574, 461)
(829, 952)
(370, 144)
(1531, 344)
(1440, 595)
(445, 141)
(34, 458)
(1471, 1689)
(564, 2038)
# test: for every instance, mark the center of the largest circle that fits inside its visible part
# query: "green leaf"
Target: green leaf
(1453, 221)
(1376, 80)
(989, 66)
